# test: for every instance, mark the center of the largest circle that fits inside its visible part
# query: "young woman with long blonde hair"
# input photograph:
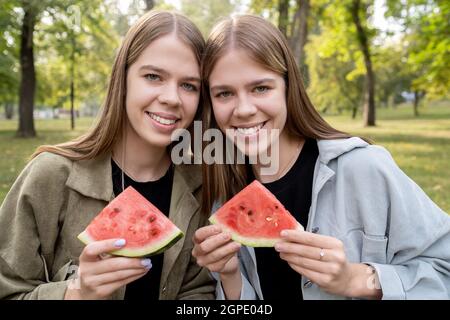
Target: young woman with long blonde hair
(370, 231)
(154, 89)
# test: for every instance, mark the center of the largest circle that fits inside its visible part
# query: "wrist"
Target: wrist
(364, 282)
(72, 294)
(231, 284)
(229, 275)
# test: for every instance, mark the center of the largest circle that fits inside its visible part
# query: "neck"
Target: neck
(289, 149)
(138, 159)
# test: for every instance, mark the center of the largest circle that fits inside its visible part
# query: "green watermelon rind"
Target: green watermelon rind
(248, 241)
(144, 251)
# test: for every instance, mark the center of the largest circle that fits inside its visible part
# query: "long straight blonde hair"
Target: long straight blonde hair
(268, 47)
(109, 125)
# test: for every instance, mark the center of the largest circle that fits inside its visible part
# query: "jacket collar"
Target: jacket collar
(93, 178)
(183, 206)
(331, 149)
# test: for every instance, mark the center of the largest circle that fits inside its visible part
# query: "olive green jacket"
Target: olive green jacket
(54, 199)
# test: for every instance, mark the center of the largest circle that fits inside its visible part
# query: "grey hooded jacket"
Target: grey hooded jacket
(384, 219)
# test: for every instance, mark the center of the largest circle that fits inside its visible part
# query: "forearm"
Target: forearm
(232, 284)
(364, 282)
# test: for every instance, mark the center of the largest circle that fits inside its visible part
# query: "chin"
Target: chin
(253, 150)
(157, 141)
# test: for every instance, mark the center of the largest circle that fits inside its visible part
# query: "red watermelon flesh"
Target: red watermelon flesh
(254, 217)
(130, 216)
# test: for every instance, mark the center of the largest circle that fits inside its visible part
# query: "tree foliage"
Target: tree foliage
(427, 35)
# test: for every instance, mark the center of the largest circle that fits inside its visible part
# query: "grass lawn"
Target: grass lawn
(420, 146)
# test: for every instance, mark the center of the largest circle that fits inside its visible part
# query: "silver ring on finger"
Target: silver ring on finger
(321, 254)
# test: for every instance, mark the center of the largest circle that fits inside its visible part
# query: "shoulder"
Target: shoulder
(47, 165)
(41, 184)
(44, 172)
(370, 159)
(45, 159)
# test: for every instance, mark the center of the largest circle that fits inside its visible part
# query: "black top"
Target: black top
(293, 190)
(157, 192)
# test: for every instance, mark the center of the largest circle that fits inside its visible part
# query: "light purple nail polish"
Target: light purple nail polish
(119, 243)
(147, 263)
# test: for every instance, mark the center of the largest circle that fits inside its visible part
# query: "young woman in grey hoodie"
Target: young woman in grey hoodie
(370, 231)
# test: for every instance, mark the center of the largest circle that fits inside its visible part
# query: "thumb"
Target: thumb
(93, 250)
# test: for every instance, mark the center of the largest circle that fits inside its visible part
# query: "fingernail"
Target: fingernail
(120, 243)
(283, 233)
(147, 263)
(226, 236)
(278, 247)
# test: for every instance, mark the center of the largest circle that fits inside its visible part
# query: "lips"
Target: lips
(249, 129)
(163, 118)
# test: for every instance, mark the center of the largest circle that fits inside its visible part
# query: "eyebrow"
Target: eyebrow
(164, 72)
(250, 84)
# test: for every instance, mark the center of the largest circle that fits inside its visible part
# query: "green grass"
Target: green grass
(420, 146)
(16, 151)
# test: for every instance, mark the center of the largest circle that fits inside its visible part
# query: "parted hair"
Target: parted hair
(267, 46)
(108, 128)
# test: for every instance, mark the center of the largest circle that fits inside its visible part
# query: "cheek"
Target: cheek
(222, 114)
(275, 108)
(190, 105)
(139, 94)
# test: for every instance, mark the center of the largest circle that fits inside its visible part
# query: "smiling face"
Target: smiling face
(163, 91)
(249, 102)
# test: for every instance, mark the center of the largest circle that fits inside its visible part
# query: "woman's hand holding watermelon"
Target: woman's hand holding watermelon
(215, 251)
(99, 278)
(322, 260)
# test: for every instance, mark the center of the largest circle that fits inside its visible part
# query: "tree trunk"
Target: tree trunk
(369, 101)
(417, 96)
(283, 17)
(386, 96)
(354, 112)
(72, 84)
(300, 31)
(9, 110)
(28, 75)
(149, 4)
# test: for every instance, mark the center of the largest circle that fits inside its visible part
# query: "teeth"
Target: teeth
(161, 120)
(251, 130)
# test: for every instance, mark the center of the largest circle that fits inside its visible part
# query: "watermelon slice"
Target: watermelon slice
(130, 216)
(254, 217)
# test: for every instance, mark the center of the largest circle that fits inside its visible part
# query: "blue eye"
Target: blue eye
(223, 94)
(189, 87)
(261, 89)
(152, 77)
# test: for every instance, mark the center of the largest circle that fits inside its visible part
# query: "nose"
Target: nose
(245, 108)
(169, 95)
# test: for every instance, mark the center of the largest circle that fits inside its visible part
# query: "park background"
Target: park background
(374, 68)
